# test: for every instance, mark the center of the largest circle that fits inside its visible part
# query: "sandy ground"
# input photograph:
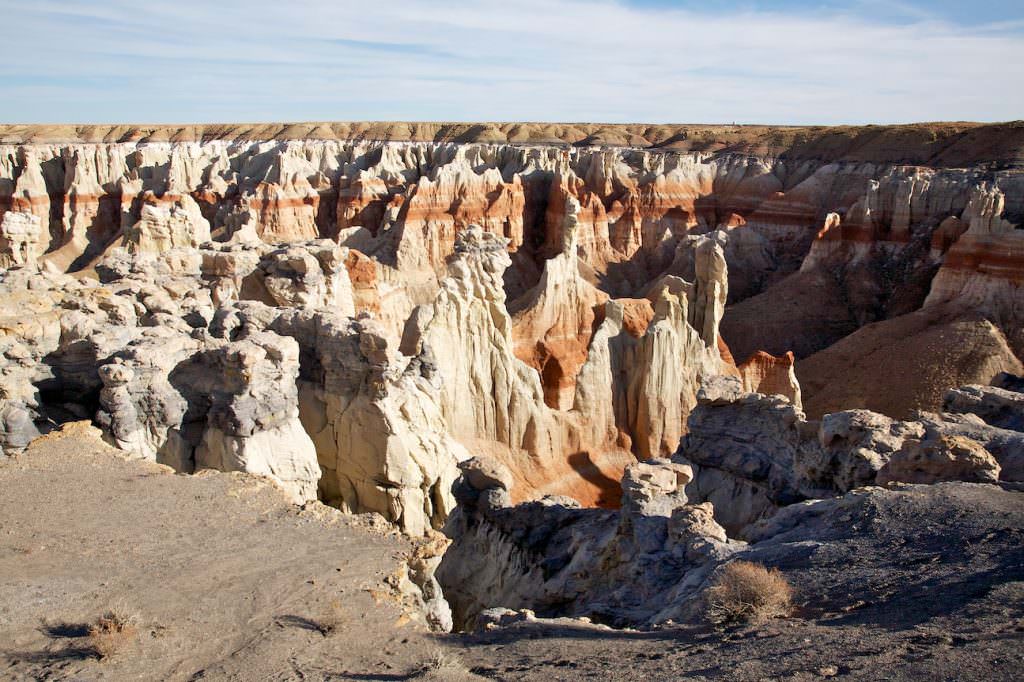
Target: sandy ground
(229, 582)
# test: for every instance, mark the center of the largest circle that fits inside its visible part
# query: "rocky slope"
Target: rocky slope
(909, 583)
(87, 530)
(752, 480)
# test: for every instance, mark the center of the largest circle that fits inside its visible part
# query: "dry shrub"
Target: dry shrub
(746, 592)
(333, 619)
(112, 632)
(447, 666)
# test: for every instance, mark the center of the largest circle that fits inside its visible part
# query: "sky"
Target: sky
(614, 61)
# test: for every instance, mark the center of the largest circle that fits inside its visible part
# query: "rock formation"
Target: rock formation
(379, 433)
(996, 406)
(530, 346)
(753, 453)
(553, 322)
(252, 301)
(982, 270)
(300, 393)
(943, 458)
(19, 239)
(628, 393)
(968, 329)
(229, 407)
(161, 228)
(554, 557)
(651, 562)
(871, 260)
(765, 373)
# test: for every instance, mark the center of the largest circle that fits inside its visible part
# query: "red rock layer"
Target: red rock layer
(362, 271)
(766, 373)
(995, 255)
(435, 211)
(557, 353)
(283, 216)
(363, 203)
(637, 314)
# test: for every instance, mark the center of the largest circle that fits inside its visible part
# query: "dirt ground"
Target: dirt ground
(227, 581)
(904, 364)
(225, 578)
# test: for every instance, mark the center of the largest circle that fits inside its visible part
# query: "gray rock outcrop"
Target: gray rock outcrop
(753, 454)
(553, 557)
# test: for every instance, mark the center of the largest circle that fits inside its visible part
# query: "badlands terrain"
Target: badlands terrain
(506, 401)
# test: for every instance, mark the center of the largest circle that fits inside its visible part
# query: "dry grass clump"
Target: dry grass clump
(333, 619)
(446, 666)
(111, 632)
(746, 592)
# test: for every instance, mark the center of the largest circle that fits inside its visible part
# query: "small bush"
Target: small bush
(447, 666)
(333, 619)
(746, 592)
(111, 632)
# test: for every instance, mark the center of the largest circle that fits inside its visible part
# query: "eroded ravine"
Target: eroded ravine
(353, 319)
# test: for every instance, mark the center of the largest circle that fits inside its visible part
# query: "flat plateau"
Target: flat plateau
(949, 144)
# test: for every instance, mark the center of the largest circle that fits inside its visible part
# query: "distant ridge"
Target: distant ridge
(955, 144)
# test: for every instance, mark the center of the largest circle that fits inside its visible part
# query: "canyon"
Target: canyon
(579, 367)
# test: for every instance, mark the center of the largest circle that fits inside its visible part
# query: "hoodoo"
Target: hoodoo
(568, 302)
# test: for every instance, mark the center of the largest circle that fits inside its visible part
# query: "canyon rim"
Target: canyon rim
(392, 400)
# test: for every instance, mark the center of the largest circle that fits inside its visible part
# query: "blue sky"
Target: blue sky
(793, 61)
(908, 11)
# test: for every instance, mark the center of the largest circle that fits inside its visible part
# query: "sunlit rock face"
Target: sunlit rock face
(298, 391)
(765, 373)
(585, 366)
(19, 239)
(625, 394)
(404, 202)
(555, 307)
(983, 270)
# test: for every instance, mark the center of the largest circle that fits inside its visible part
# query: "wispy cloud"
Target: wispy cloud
(145, 60)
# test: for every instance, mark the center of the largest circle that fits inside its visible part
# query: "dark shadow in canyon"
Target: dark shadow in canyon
(611, 489)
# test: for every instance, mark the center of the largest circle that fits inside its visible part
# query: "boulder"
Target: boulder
(997, 407)
(484, 473)
(19, 238)
(945, 458)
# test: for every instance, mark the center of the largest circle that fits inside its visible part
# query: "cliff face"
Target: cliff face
(557, 307)
(403, 203)
(967, 328)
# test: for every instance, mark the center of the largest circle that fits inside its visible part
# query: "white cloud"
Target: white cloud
(512, 60)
